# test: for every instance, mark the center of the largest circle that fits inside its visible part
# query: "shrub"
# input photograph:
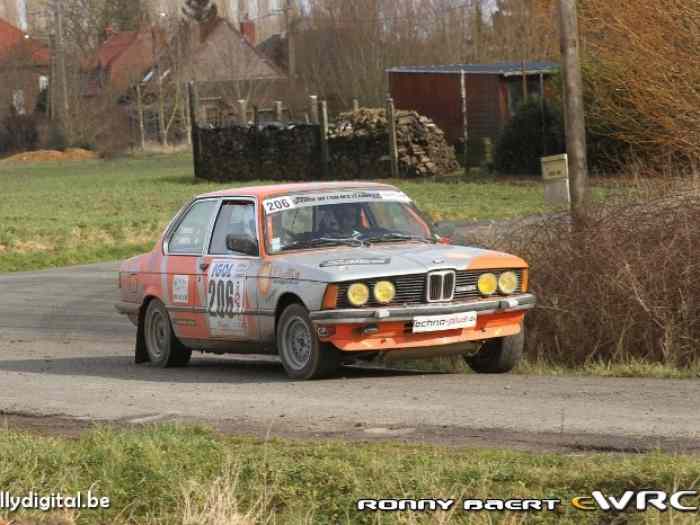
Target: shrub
(4, 140)
(22, 132)
(56, 139)
(527, 137)
(624, 287)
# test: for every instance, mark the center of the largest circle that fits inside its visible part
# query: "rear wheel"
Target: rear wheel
(303, 355)
(163, 348)
(498, 356)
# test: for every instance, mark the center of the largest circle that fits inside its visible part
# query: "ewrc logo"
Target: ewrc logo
(641, 501)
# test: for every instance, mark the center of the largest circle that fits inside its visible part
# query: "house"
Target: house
(211, 52)
(121, 61)
(215, 54)
(24, 69)
(494, 92)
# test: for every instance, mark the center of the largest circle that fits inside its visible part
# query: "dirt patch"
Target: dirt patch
(52, 155)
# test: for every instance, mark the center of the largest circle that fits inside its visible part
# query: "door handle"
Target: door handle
(204, 266)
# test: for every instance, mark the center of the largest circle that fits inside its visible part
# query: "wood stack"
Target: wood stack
(422, 148)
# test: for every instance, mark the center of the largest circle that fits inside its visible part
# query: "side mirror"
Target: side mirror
(446, 229)
(242, 244)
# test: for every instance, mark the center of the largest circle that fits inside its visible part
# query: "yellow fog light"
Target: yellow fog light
(358, 294)
(488, 284)
(384, 292)
(508, 283)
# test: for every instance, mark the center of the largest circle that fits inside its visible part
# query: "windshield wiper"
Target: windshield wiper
(396, 236)
(323, 241)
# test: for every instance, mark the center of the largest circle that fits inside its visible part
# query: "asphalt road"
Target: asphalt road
(66, 356)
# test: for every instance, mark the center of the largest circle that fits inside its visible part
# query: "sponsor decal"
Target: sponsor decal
(185, 322)
(439, 323)
(181, 289)
(290, 202)
(265, 279)
(355, 262)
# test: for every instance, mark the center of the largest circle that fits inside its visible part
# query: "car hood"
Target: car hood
(347, 263)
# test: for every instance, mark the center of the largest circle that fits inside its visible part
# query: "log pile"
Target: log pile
(422, 148)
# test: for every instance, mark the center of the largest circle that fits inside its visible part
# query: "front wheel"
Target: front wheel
(303, 355)
(163, 348)
(498, 356)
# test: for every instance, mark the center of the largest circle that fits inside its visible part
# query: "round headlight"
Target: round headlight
(488, 284)
(358, 294)
(384, 292)
(508, 283)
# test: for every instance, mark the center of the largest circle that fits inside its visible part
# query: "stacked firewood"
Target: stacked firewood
(421, 145)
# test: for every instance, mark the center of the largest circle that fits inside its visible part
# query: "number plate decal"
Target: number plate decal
(226, 297)
(440, 323)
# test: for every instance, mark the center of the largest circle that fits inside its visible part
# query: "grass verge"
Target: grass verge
(62, 213)
(533, 367)
(177, 475)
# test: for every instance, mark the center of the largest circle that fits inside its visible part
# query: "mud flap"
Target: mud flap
(141, 354)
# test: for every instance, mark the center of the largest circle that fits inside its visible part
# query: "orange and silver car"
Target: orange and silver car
(321, 274)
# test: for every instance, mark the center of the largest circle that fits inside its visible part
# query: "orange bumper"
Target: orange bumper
(390, 329)
(392, 336)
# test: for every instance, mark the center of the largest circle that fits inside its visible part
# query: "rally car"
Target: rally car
(321, 274)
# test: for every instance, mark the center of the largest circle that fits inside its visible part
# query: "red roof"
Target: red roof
(13, 40)
(114, 46)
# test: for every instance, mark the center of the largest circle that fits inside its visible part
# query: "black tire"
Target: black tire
(498, 356)
(162, 346)
(303, 355)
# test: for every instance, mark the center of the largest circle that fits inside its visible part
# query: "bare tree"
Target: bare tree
(641, 83)
(199, 10)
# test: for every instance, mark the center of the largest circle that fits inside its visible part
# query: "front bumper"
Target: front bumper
(515, 303)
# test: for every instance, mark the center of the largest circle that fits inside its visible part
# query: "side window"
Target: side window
(236, 218)
(191, 235)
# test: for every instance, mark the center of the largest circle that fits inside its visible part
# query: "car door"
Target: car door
(230, 277)
(181, 269)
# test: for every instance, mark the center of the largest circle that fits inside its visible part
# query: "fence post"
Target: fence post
(393, 147)
(139, 102)
(243, 112)
(313, 109)
(465, 121)
(194, 125)
(325, 153)
(355, 104)
(279, 116)
(186, 117)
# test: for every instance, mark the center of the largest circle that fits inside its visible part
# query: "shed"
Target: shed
(494, 92)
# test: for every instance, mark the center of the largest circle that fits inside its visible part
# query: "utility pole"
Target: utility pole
(575, 119)
(291, 44)
(62, 74)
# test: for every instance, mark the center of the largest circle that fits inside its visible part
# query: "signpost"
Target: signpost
(555, 174)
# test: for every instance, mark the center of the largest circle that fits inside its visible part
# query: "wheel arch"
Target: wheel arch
(285, 300)
(141, 351)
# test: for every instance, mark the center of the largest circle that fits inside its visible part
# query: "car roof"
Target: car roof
(303, 187)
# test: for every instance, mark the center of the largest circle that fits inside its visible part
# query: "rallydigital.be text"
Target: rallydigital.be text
(34, 501)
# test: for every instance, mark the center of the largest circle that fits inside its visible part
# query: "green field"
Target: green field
(57, 214)
(174, 475)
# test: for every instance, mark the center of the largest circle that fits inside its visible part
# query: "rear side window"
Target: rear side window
(191, 234)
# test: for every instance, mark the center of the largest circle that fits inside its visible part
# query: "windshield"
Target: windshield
(301, 222)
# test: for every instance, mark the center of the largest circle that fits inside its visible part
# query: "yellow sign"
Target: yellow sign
(555, 167)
